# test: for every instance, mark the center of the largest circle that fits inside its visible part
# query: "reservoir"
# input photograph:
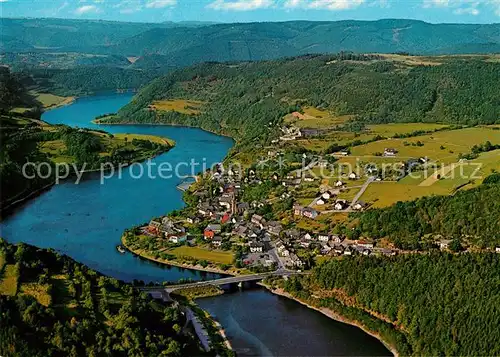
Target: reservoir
(85, 221)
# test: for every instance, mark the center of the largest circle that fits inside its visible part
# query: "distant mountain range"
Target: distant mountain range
(179, 44)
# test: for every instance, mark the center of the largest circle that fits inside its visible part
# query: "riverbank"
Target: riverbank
(334, 316)
(99, 122)
(198, 267)
(66, 101)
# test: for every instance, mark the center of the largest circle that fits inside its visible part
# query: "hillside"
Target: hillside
(423, 304)
(61, 35)
(256, 41)
(51, 305)
(187, 43)
(249, 100)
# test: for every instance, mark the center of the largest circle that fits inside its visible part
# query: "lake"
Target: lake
(85, 221)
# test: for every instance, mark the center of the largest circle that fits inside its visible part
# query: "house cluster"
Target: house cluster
(305, 212)
(166, 228)
(290, 133)
(390, 152)
(285, 248)
(258, 232)
(224, 207)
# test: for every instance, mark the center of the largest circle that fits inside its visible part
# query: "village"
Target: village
(284, 211)
(220, 220)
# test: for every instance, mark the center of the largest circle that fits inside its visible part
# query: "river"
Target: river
(85, 221)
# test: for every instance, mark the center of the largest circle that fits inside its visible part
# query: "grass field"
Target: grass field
(444, 146)
(8, 284)
(389, 130)
(47, 101)
(51, 100)
(152, 138)
(315, 118)
(203, 254)
(189, 107)
(384, 194)
(39, 291)
(56, 149)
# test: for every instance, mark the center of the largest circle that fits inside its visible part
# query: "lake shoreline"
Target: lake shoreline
(174, 263)
(96, 121)
(334, 316)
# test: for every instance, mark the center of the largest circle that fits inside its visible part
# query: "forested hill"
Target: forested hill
(248, 100)
(187, 43)
(51, 305)
(63, 35)
(443, 304)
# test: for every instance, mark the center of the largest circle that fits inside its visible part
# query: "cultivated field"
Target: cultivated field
(444, 174)
(345, 138)
(443, 146)
(315, 118)
(383, 194)
(220, 257)
(183, 106)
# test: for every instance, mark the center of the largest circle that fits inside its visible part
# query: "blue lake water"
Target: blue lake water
(85, 221)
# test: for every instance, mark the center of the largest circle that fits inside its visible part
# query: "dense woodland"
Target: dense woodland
(471, 216)
(248, 100)
(51, 305)
(86, 80)
(444, 304)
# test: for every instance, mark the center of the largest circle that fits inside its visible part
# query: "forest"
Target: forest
(471, 216)
(248, 100)
(444, 304)
(85, 80)
(51, 305)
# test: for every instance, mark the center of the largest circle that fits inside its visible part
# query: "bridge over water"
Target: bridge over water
(222, 281)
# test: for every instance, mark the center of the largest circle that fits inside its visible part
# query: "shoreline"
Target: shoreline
(165, 124)
(67, 101)
(334, 316)
(176, 264)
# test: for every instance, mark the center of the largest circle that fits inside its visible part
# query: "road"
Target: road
(356, 198)
(298, 172)
(361, 191)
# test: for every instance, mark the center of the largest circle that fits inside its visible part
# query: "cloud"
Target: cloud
(438, 3)
(496, 6)
(466, 11)
(86, 9)
(128, 6)
(324, 4)
(157, 4)
(465, 7)
(240, 5)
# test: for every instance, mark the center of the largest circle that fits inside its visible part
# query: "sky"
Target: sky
(435, 11)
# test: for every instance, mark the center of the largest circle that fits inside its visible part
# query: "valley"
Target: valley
(361, 180)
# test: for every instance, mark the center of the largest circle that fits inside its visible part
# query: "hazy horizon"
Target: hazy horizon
(244, 11)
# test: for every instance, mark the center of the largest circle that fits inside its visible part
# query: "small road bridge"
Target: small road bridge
(218, 282)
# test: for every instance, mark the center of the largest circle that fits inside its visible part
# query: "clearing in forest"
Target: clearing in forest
(183, 106)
